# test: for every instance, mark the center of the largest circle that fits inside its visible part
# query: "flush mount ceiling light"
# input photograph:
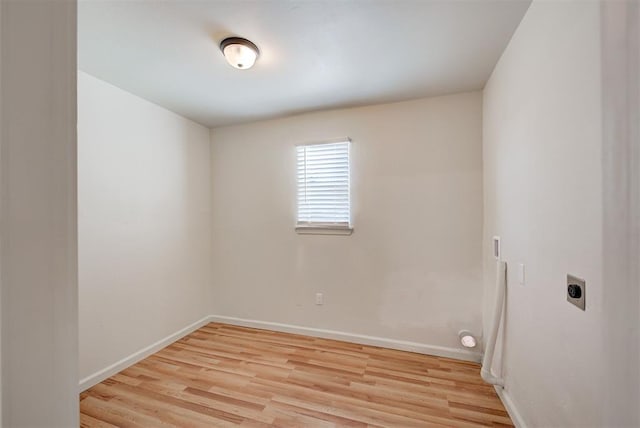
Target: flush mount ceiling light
(239, 52)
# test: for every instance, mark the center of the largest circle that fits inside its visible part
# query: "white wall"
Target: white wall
(412, 268)
(621, 203)
(1, 215)
(143, 222)
(543, 196)
(38, 214)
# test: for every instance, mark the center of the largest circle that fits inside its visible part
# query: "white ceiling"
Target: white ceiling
(315, 54)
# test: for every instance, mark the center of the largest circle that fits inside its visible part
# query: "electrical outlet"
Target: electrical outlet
(319, 299)
(576, 291)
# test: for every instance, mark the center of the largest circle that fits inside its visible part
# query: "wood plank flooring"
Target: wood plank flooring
(223, 375)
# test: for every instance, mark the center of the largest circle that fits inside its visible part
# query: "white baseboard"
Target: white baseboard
(402, 345)
(515, 415)
(383, 342)
(109, 371)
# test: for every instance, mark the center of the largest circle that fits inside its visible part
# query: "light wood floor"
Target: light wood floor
(226, 375)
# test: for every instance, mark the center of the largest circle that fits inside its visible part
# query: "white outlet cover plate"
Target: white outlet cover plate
(496, 247)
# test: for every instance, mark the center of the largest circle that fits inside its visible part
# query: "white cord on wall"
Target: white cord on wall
(490, 346)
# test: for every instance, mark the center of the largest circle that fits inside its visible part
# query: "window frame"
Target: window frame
(326, 228)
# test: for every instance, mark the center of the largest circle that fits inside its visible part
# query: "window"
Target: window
(324, 200)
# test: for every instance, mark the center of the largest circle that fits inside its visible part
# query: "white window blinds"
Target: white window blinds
(324, 185)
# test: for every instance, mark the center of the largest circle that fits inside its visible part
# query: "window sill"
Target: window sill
(323, 230)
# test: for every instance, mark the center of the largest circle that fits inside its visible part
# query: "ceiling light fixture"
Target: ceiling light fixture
(239, 52)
